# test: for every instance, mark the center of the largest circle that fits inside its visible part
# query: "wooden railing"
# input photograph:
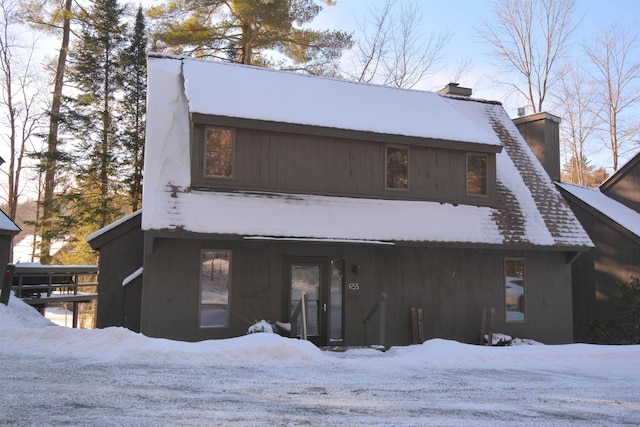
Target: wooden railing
(380, 305)
(40, 285)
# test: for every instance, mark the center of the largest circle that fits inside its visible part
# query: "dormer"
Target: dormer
(311, 135)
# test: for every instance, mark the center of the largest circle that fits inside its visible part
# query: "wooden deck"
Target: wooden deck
(41, 285)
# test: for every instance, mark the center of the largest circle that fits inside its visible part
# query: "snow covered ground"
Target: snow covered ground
(52, 375)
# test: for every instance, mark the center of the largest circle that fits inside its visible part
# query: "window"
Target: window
(514, 290)
(215, 279)
(477, 174)
(335, 300)
(397, 167)
(218, 152)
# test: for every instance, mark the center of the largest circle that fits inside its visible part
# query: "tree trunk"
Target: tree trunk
(52, 141)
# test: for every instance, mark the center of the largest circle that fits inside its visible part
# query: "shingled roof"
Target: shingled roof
(530, 211)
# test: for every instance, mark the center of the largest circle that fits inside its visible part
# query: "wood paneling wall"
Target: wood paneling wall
(450, 285)
(286, 162)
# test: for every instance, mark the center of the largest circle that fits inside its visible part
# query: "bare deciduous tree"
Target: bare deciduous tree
(530, 37)
(615, 56)
(19, 98)
(53, 21)
(574, 100)
(392, 50)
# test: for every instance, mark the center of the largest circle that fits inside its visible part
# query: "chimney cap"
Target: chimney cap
(455, 89)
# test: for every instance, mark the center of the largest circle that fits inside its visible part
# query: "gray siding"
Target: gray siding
(5, 249)
(615, 258)
(296, 163)
(451, 285)
(626, 188)
(120, 256)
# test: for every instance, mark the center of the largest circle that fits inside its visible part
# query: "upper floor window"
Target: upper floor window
(218, 152)
(477, 174)
(397, 170)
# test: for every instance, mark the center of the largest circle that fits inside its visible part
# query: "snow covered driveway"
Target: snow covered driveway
(58, 376)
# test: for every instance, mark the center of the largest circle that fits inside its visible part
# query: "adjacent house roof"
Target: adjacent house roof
(7, 226)
(605, 206)
(530, 210)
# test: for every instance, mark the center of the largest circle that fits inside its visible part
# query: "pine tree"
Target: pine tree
(95, 74)
(246, 31)
(133, 109)
(52, 17)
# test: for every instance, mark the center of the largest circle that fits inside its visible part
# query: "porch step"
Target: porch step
(343, 348)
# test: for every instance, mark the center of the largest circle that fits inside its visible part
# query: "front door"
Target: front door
(321, 281)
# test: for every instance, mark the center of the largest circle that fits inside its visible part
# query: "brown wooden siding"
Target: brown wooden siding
(295, 163)
(626, 189)
(615, 258)
(119, 257)
(450, 285)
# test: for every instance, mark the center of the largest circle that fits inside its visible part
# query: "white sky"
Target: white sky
(54, 375)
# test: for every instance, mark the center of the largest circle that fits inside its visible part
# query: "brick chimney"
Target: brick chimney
(542, 133)
(455, 89)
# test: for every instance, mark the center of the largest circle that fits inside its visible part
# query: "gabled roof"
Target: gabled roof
(605, 207)
(277, 96)
(530, 210)
(620, 173)
(7, 226)
(104, 235)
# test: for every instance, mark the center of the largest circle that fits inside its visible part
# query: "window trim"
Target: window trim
(524, 290)
(386, 167)
(229, 287)
(486, 175)
(202, 147)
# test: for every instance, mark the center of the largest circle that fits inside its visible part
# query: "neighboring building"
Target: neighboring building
(8, 230)
(260, 184)
(611, 216)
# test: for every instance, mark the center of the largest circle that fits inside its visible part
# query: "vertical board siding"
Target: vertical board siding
(285, 162)
(626, 189)
(450, 285)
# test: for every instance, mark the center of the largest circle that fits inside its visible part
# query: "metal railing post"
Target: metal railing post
(303, 300)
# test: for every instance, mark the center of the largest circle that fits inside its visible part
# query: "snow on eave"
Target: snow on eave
(617, 212)
(113, 225)
(324, 218)
(7, 226)
(133, 276)
(301, 99)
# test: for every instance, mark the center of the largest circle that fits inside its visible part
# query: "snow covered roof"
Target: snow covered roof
(113, 225)
(610, 208)
(530, 210)
(307, 100)
(7, 226)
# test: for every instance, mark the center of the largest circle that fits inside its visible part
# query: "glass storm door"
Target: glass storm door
(324, 298)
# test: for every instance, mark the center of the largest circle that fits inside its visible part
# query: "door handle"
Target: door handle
(324, 307)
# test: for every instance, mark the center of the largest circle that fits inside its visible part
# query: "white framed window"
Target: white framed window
(215, 286)
(514, 292)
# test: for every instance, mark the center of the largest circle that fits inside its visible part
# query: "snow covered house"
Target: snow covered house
(261, 184)
(611, 216)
